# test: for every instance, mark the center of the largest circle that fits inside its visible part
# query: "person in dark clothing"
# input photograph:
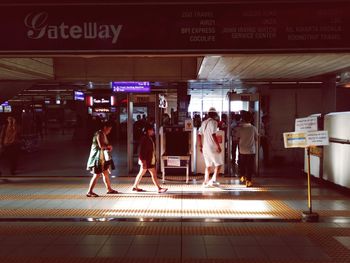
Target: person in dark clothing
(39, 126)
(147, 160)
(138, 127)
(248, 136)
(235, 141)
(10, 143)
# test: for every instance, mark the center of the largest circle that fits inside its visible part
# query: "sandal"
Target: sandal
(112, 192)
(162, 190)
(92, 195)
(136, 189)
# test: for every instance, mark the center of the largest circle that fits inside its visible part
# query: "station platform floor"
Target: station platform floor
(46, 217)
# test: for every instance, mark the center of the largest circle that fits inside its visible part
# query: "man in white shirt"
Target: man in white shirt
(210, 147)
(248, 135)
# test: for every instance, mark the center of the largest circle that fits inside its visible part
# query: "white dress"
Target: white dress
(211, 156)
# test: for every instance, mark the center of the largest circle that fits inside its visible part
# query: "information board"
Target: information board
(305, 139)
(317, 138)
(188, 125)
(173, 161)
(306, 124)
(294, 139)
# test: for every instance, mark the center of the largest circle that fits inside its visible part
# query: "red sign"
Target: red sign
(172, 28)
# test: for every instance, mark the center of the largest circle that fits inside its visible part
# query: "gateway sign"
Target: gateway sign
(155, 28)
(39, 27)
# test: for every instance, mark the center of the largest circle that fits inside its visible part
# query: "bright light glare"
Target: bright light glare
(251, 206)
(219, 104)
(236, 105)
(198, 209)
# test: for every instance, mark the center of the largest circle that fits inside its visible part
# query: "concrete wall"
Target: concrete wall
(285, 105)
(343, 99)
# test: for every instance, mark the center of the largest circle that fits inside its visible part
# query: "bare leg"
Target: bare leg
(93, 182)
(153, 173)
(216, 173)
(139, 177)
(206, 175)
(107, 181)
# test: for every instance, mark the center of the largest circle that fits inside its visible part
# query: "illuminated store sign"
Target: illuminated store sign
(79, 95)
(5, 107)
(102, 110)
(130, 87)
(101, 101)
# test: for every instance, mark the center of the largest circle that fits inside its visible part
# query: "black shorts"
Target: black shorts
(98, 169)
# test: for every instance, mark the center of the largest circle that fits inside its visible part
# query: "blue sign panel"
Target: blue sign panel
(79, 95)
(131, 86)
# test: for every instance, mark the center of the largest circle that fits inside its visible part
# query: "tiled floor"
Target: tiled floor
(253, 242)
(49, 219)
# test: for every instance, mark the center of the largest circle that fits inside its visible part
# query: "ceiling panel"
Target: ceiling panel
(271, 66)
(126, 68)
(26, 68)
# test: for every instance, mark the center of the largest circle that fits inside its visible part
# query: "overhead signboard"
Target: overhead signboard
(306, 124)
(175, 28)
(132, 86)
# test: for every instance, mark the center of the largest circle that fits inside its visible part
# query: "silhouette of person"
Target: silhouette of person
(100, 161)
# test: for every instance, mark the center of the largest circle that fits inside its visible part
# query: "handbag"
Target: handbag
(107, 155)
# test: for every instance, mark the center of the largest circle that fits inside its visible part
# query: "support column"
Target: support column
(329, 102)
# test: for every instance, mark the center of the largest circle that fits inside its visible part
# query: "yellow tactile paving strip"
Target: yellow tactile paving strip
(271, 209)
(147, 186)
(151, 194)
(236, 200)
(126, 196)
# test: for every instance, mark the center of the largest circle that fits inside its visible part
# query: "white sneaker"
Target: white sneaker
(214, 183)
(206, 185)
